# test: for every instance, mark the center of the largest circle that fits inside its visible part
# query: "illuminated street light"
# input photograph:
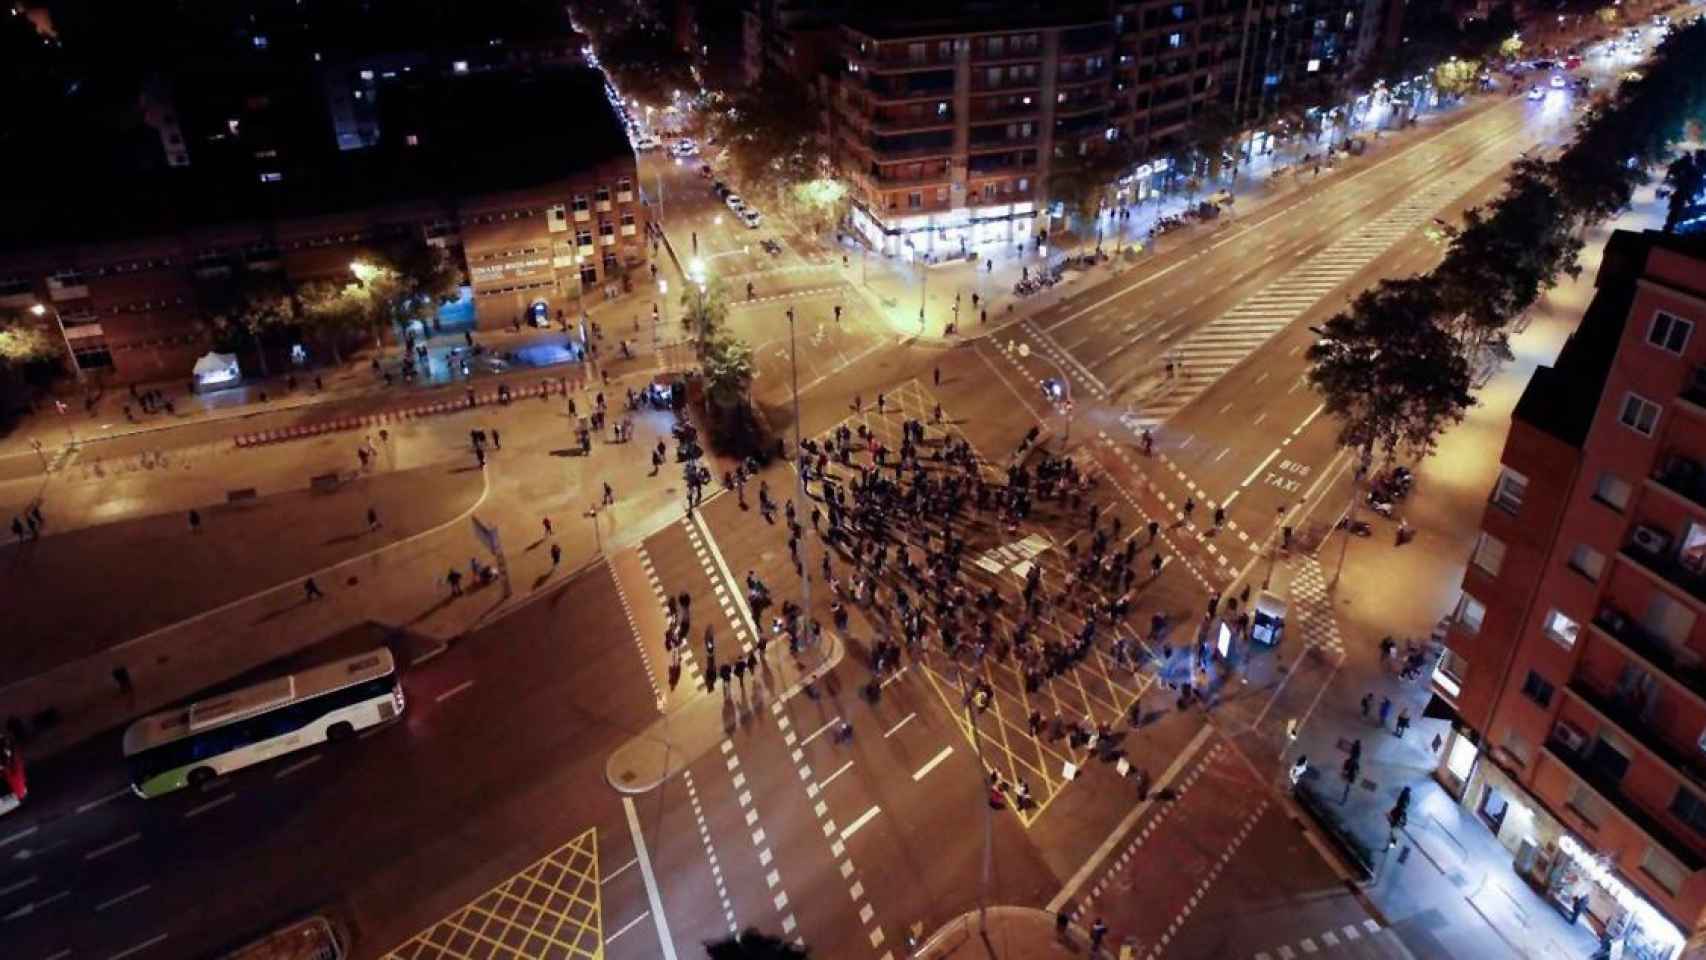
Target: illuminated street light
(41, 310)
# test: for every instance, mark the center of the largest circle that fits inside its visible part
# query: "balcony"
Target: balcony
(889, 126)
(1091, 40)
(916, 86)
(900, 58)
(1611, 791)
(1019, 110)
(1682, 476)
(1626, 715)
(1650, 651)
(1693, 395)
(922, 178)
(1662, 565)
(981, 55)
(981, 82)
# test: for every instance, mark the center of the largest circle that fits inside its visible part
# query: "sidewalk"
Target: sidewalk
(541, 350)
(1007, 933)
(1448, 885)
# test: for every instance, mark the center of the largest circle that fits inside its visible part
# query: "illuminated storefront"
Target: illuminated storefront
(950, 233)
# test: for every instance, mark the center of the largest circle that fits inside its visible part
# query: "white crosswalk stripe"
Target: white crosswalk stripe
(1206, 355)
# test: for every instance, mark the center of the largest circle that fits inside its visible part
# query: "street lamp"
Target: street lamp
(39, 310)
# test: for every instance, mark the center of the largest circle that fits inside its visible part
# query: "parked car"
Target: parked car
(720, 189)
(684, 148)
(646, 142)
(705, 170)
(1535, 93)
(735, 202)
(1557, 81)
(752, 218)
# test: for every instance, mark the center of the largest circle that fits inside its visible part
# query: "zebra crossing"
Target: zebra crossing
(1205, 356)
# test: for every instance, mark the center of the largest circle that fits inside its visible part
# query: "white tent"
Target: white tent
(216, 370)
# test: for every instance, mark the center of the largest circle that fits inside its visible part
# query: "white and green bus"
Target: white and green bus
(191, 745)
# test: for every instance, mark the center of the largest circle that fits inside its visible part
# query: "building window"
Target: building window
(1470, 613)
(1639, 414)
(1586, 805)
(1613, 491)
(915, 201)
(1536, 688)
(1669, 332)
(941, 194)
(1450, 671)
(1517, 747)
(589, 273)
(624, 186)
(627, 218)
(1508, 492)
(580, 202)
(1662, 869)
(1024, 184)
(1587, 561)
(583, 237)
(606, 228)
(603, 194)
(997, 46)
(1560, 628)
(1687, 807)
(1175, 40)
(1489, 553)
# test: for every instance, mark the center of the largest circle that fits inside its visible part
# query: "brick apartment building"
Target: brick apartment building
(525, 179)
(1573, 671)
(948, 128)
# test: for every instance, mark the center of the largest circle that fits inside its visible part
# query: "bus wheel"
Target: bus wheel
(201, 775)
(340, 731)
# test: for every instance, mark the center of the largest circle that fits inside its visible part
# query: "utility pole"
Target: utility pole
(1351, 513)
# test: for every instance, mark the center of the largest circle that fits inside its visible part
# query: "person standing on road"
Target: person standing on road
(497, 441)
(1098, 933)
(312, 589)
(609, 494)
(936, 374)
(556, 555)
(18, 529)
(1385, 710)
(1403, 724)
(372, 520)
(546, 522)
(454, 578)
(1367, 704)
(195, 524)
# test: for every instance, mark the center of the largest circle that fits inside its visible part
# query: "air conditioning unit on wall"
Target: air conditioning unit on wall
(1569, 737)
(1651, 540)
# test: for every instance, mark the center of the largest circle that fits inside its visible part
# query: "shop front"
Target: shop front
(949, 234)
(1570, 878)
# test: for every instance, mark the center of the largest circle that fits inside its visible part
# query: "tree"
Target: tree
(704, 309)
(1214, 132)
(406, 281)
(1686, 178)
(30, 353)
(1457, 77)
(645, 63)
(770, 132)
(334, 311)
(1079, 182)
(1393, 376)
(728, 364)
(821, 203)
(752, 945)
(1511, 47)
(247, 308)
(1607, 15)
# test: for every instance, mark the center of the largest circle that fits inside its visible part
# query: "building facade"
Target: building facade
(1573, 669)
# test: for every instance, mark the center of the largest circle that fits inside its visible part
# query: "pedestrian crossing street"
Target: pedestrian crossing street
(1208, 354)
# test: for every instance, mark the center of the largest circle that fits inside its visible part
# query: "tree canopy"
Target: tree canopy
(752, 945)
(770, 138)
(645, 63)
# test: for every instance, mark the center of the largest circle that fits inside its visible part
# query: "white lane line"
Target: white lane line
(109, 848)
(618, 871)
(1228, 501)
(831, 778)
(903, 722)
(21, 884)
(626, 927)
(138, 948)
(302, 764)
(819, 731)
(1223, 453)
(61, 955)
(1264, 374)
(932, 764)
(109, 798)
(864, 818)
(1225, 408)
(1259, 418)
(1309, 419)
(21, 834)
(666, 943)
(30, 908)
(198, 811)
(453, 691)
(137, 892)
(1260, 467)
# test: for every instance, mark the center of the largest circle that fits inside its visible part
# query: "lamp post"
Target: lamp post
(39, 309)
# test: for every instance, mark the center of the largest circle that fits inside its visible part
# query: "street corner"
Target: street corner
(1000, 933)
(643, 763)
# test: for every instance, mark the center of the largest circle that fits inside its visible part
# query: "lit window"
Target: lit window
(1508, 492)
(1175, 40)
(1450, 671)
(1639, 414)
(1587, 561)
(1561, 628)
(1613, 491)
(1669, 332)
(1489, 553)
(1470, 613)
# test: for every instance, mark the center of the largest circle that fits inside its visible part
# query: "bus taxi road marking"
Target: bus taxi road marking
(626, 927)
(139, 891)
(30, 908)
(14, 888)
(932, 764)
(109, 848)
(138, 948)
(298, 765)
(838, 772)
(618, 871)
(903, 722)
(666, 943)
(453, 691)
(109, 798)
(1260, 467)
(864, 818)
(209, 805)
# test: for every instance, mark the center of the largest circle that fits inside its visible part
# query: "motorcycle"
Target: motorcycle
(1359, 527)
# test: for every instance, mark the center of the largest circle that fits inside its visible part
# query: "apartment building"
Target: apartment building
(948, 129)
(526, 180)
(1573, 670)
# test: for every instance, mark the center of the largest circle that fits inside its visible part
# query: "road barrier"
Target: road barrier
(545, 388)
